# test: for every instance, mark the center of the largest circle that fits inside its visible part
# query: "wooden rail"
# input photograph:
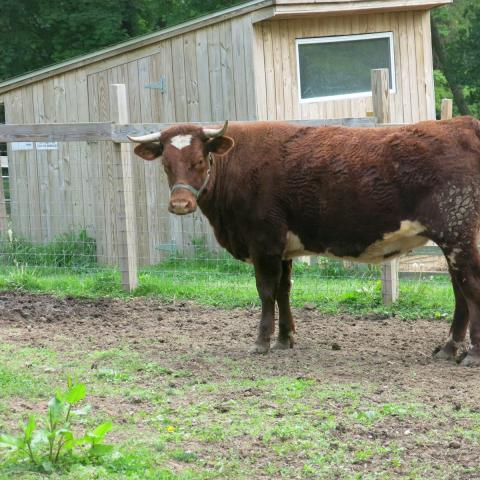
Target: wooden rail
(119, 132)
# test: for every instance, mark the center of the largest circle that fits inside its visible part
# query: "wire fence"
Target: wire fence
(80, 214)
(62, 235)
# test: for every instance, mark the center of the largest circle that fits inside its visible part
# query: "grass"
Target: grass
(246, 421)
(208, 286)
(271, 426)
(67, 267)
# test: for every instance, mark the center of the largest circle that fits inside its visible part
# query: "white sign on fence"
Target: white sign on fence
(17, 146)
(47, 145)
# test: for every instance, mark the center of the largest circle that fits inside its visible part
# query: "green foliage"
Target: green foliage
(71, 250)
(459, 28)
(37, 33)
(53, 441)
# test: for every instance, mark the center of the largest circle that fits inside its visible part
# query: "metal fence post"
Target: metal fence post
(125, 208)
(381, 110)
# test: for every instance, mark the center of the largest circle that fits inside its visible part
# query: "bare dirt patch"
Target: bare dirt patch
(390, 357)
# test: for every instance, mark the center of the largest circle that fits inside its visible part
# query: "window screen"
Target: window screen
(341, 65)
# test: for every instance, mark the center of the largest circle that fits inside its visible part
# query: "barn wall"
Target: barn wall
(276, 70)
(208, 77)
(213, 73)
(52, 190)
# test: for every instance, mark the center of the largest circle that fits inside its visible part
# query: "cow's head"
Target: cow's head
(186, 154)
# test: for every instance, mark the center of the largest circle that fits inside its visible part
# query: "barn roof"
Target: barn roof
(262, 10)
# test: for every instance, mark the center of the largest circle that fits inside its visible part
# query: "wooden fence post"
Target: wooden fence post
(3, 204)
(381, 110)
(446, 109)
(125, 208)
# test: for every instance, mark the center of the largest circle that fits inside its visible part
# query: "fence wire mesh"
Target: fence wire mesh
(61, 234)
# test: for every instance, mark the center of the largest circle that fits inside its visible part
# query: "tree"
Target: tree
(36, 33)
(455, 38)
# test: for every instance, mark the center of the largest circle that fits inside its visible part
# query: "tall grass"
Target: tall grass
(67, 266)
(76, 251)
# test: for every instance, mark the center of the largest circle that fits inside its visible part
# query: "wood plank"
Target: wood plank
(181, 112)
(446, 109)
(203, 76)
(58, 159)
(412, 67)
(278, 74)
(125, 213)
(161, 225)
(248, 42)
(10, 118)
(33, 196)
(74, 158)
(144, 247)
(94, 154)
(215, 73)
(292, 34)
(53, 132)
(17, 170)
(420, 67)
(259, 72)
(428, 66)
(269, 71)
(84, 159)
(105, 177)
(286, 80)
(191, 78)
(226, 62)
(405, 73)
(239, 69)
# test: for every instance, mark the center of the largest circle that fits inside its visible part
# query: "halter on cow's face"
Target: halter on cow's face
(186, 153)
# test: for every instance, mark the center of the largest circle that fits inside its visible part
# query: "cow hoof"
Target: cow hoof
(447, 352)
(262, 348)
(471, 360)
(284, 343)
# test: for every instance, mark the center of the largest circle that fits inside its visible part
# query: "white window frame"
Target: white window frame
(344, 38)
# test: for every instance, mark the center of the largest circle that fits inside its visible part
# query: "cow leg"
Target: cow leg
(459, 325)
(286, 325)
(268, 272)
(464, 264)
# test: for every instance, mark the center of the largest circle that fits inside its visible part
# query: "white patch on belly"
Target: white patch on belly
(393, 244)
(181, 141)
(294, 247)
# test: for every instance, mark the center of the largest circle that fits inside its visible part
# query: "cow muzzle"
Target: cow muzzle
(182, 206)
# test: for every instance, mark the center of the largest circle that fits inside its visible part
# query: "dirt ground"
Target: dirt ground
(388, 353)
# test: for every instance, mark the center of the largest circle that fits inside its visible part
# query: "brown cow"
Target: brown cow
(273, 191)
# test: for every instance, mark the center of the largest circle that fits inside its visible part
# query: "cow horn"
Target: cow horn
(215, 132)
(151, 137)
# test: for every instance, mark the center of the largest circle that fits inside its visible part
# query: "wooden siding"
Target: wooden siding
(233, 69)
(276, 66)
(207, 74)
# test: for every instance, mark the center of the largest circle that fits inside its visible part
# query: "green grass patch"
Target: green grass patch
(432, 297)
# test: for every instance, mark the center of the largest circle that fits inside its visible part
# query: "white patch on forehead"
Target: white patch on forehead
(181, 141)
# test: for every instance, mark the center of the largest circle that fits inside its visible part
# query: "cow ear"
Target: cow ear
(220, 145)
(149, 151)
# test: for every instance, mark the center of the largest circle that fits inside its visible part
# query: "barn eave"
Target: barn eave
(260, 10)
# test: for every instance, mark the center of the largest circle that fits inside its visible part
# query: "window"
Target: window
(339, 67)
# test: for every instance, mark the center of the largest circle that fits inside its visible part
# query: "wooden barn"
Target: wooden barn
(266, 59)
